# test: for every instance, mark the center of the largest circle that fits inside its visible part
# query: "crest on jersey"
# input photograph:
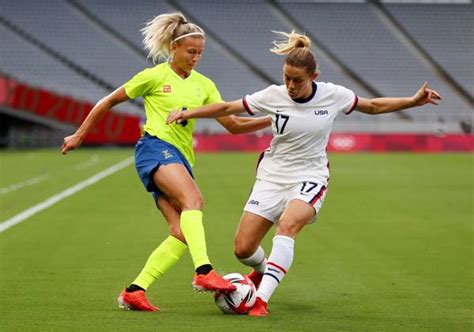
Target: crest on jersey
(166, 88)
(167, 154)
(198, 92)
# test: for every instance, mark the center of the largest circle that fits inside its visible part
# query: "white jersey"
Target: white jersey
(301, 130)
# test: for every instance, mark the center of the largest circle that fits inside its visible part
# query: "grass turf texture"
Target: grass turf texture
(392, 249)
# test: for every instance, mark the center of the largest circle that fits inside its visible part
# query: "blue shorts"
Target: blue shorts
(151, 153)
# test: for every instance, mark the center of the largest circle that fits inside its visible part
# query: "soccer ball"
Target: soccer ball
(239, 301)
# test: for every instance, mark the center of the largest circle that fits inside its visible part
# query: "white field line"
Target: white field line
(5, 190)
(23, 184)
(6, 224)
(92, 161)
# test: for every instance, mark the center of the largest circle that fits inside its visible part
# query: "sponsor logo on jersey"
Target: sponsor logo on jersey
(278, 111)
(253, 202)
(321, 112)
(166, 88)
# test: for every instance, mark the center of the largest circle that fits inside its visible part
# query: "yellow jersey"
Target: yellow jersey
(163, 90)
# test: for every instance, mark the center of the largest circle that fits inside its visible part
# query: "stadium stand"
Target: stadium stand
(65, 30)
(375, 52)
(215, 63)
(255, 39)
(69, 34)
(451, 46)
(38, 68)
(86, 48)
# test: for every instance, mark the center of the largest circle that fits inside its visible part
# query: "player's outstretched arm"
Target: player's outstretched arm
(241, 125)
(105, 104)
(208, 111)
(423, 96)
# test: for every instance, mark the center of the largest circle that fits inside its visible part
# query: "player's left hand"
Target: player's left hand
(425, 95)
(175, 116)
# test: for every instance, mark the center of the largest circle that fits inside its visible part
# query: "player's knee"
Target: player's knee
(241, 250)
(192, 202)
(288, 228)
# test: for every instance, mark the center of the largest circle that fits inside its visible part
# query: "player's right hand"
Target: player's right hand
(70, 143)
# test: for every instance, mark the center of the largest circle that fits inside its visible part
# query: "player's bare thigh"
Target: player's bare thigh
(295, 216)
(250, 232)
(176, 182)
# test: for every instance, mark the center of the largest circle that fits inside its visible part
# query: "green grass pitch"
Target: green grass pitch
(392, 249)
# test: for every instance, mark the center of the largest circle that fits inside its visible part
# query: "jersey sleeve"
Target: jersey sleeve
(256, 102)
(346, 99)
(213, 94)
(140, 84)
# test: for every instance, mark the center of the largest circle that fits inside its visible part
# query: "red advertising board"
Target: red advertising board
(357, 142)
(400, 142)
(116, 128)
(113, 128)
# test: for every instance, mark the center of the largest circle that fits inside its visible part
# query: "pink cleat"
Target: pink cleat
(259, 309)
(212, 282)
(135, 301)
(255, 277)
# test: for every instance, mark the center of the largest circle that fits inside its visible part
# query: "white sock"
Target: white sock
(257, 260)
(278, 264)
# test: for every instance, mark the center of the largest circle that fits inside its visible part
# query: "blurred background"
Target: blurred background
(58, 57)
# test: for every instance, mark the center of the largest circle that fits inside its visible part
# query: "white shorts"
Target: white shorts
(269, 199)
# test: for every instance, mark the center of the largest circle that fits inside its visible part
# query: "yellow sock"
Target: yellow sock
(193, 230)
(161, 260)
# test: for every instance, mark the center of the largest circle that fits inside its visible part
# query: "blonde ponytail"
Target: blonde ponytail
(163, 30)
(298, 48)
(290, 42)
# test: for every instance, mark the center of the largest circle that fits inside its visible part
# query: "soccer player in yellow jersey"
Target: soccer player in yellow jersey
(164, 155)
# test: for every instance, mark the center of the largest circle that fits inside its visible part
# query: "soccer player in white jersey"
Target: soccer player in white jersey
(293, 173)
